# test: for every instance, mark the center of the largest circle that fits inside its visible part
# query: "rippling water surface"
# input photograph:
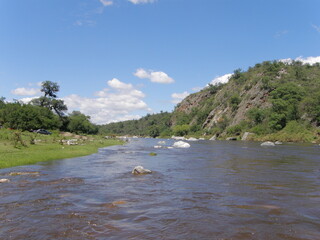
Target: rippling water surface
(213, 190)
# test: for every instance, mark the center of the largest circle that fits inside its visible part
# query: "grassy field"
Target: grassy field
(23, 148)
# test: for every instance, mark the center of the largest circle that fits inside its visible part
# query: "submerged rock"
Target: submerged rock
(181, 144)
(24, 173)
(278, 143)
(140, 170)
(267, 144)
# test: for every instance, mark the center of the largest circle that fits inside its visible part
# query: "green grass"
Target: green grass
(48, 149)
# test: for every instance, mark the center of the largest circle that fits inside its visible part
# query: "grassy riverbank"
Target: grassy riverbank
(23, 148)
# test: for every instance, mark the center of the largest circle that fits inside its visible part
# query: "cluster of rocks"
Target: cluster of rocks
(69, 142)
(270, 144)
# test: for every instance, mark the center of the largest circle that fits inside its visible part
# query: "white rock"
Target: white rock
(192, 139)
(278, 143)
(140, 170)
(181, 144)
(178, 138)
(267, 144)
(157, 146)
(161, 142)
(4, 180)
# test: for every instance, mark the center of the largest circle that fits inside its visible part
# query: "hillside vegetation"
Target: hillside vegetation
(273, 100)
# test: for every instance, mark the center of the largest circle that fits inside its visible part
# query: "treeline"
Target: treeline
(45, 112)
(153, 125)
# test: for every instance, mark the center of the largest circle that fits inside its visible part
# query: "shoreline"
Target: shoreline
(48, 148)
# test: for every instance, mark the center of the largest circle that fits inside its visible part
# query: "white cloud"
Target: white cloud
(178, 97)
(106, 3)
(28, 99)
(118, 103)
(102, 93)
(158, 77)
(281, 33)
(25, 91)
(141, 1)
(222, 79)
(116, 84)
(307, 60)
(316, 27)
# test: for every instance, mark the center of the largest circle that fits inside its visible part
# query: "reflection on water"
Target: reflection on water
(213, 190)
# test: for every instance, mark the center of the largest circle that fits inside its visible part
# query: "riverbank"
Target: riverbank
(24, 148)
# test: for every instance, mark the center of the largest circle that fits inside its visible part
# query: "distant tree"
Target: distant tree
(80, 123)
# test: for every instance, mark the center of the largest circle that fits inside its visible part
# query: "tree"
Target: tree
(80, 123)
(50, 89)
(49, 100)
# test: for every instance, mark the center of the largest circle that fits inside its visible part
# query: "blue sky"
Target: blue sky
(121, 59)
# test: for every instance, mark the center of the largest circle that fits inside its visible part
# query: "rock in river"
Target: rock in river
(140, 170)
(4, 180)
(267, 144)
(181, 144)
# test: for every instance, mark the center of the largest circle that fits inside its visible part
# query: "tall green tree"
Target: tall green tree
(50, 99)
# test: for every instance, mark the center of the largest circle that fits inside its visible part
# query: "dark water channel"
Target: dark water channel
(213, 190)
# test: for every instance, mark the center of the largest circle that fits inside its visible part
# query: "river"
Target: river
(212, 190)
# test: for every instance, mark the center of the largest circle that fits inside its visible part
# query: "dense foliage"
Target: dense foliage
(152, 125)
(45, 112)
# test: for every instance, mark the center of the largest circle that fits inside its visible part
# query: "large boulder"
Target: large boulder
(267, 144)
(140, 170)
(181, 144)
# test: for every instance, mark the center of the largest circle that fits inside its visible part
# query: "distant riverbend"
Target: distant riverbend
(211, 190)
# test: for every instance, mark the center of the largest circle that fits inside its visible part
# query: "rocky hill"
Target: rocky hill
(267, 99)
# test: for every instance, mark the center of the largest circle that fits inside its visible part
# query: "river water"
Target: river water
(212, 190)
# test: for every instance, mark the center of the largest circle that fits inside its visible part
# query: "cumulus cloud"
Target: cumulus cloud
(106, 3)
(141, 1)
(221, 79)
(307, 60)
(157, 77)
(25, 91)
(119, 102)
(178, 97)
(116, 84)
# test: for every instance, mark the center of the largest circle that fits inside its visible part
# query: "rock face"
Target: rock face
(267, 144)
(245, 136)
(213, 138)
(140, 170)
(181, 144)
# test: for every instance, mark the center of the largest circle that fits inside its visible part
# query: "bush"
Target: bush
(181, 130)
